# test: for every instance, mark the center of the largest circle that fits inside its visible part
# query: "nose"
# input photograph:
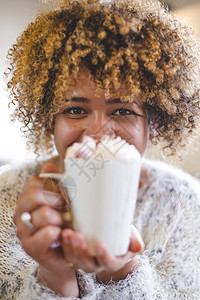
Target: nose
(98, 127)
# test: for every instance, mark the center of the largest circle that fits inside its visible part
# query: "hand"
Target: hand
(44, 205)
(129, 261)
(103, 264)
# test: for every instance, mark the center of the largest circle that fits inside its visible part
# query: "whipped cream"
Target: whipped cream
(108, 148)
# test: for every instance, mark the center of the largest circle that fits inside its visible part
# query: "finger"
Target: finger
(33, 182)
(49, 183)
(37, 245)
(36, 183)
(24, 231)
(49, 167)
(45, 215)
(110, 262)
(76, 251)
(66, 244)
(136, 242)
(55, 200)
(40, 217)
(82, 258)
(106, 260)
(28, 201)
(44, 183)
(35, 198)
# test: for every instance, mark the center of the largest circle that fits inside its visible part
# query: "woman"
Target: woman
(125, 69)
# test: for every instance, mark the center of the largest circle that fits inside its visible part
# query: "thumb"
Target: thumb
(136, 243)
(49, 167)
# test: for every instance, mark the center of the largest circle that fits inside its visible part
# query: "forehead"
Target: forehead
(87, 88)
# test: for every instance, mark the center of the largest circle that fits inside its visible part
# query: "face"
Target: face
(87, 114)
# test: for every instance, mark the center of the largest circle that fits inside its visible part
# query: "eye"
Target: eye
(74, 111)
(124, 112)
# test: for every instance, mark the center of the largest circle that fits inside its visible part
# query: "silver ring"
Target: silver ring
(26, 219)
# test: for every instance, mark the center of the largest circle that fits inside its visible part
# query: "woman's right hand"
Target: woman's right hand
(44, 205)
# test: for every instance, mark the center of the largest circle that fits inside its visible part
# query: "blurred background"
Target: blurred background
(14, 16)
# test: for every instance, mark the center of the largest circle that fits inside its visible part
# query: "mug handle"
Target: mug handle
(56, 176)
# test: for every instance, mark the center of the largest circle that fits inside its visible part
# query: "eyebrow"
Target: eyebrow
(86, 100)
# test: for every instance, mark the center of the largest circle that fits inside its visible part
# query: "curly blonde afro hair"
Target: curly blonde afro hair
(135, 46)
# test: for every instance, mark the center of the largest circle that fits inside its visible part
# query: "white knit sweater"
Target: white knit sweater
(168, 218)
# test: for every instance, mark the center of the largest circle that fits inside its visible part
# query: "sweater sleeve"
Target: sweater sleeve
(137, 285)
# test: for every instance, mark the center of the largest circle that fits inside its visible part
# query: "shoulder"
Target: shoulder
(17, 172)
(168, 218)
(13, 178)
(168, 195)
(165, 178)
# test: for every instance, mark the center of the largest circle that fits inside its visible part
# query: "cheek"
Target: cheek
(63, 136)
(145, 140)
(144, 134)
(138, 135)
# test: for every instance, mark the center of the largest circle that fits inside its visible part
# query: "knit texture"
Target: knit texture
(168, 218)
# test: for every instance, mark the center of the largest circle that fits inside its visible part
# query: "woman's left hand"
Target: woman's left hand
(105, 265)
